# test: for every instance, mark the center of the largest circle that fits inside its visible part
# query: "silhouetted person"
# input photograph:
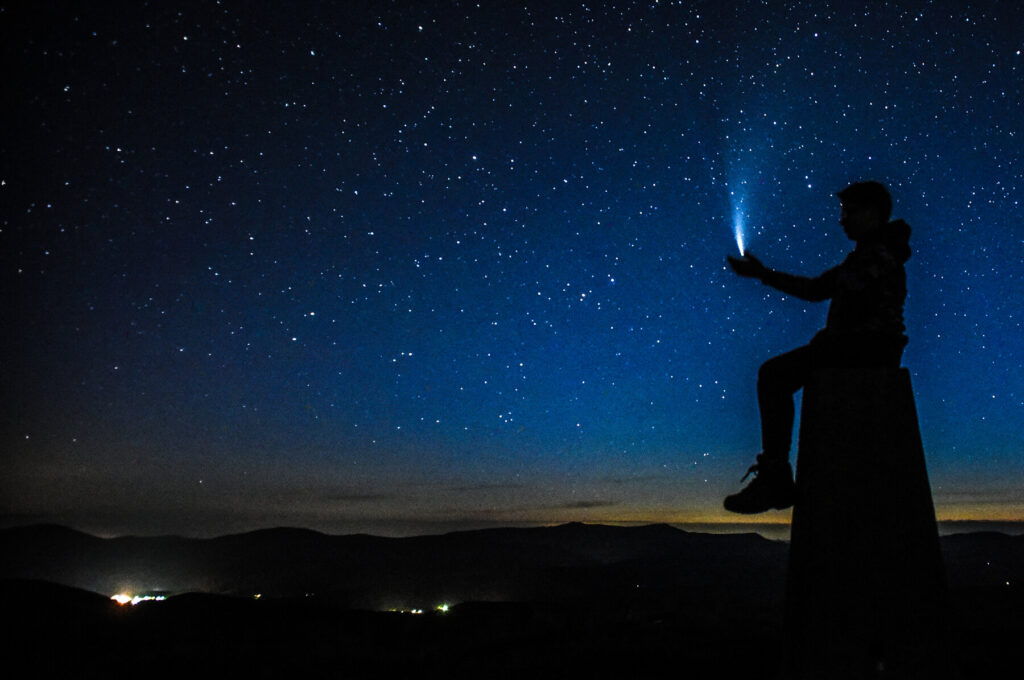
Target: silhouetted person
(864, 330)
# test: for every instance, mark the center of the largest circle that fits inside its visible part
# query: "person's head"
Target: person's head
(866, 206)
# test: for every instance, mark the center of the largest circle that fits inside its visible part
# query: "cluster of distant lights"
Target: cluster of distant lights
(125, 598)
(441, 609)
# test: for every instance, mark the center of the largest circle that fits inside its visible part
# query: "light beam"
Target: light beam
(739, 220)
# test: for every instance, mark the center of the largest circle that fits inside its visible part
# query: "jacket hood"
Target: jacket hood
(896, 237)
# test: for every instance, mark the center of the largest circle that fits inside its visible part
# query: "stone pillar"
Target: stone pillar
(866, 593)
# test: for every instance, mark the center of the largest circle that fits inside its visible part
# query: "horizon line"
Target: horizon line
(774, 530)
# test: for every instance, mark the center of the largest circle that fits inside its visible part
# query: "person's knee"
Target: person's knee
(768, 373)
(779, 375)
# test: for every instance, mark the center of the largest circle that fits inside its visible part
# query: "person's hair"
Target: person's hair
(873, 195)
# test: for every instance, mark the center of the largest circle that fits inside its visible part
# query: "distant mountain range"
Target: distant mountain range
(655, 566)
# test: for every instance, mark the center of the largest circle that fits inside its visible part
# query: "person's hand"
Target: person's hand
(748, 266)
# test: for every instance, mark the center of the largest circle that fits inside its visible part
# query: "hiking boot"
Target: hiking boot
(771, 489)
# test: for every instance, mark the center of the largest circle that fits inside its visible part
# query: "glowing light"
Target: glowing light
(125, 598)
(739, 221)
(443, 608)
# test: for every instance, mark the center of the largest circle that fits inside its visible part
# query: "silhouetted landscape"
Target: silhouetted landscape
(573, 600)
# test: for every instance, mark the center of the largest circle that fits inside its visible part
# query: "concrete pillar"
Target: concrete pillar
(866, 593)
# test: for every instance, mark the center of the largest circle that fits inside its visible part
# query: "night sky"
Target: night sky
(400, 267)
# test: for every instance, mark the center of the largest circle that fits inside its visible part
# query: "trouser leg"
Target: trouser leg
(780, 377)
(777, 381)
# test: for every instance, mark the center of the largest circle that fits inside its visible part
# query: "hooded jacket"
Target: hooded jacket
(867, 289)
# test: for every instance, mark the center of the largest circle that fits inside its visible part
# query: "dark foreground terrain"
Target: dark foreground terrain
(65, 632)
(70, 633)
(593, 602)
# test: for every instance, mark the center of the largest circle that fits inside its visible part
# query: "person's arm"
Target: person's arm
(811, 289)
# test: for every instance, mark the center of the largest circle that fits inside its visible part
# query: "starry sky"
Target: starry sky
(400, 267)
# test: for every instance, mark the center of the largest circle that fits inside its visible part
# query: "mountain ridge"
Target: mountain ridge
(573, 561)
